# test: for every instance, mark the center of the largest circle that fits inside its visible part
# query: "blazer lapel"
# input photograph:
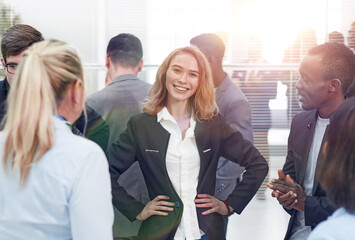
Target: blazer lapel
(204, 148)
(309, 128)
(319, 159)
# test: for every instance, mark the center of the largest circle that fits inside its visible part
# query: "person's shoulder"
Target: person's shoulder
(335, 228)
(143, 83)
(79, 150)
(324, 231)
(305, 116)
(143, 117)
(65, 139)
(3, 88)
(231, 91)
(97, 95)
(70, 154)
(78, 143)
(216, 120)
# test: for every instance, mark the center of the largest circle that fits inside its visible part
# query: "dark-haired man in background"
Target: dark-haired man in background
(123, 97)
(326, 73)
(232, 105)
(14, 42)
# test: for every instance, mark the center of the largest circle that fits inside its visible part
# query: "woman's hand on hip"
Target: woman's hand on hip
(215, 205)
(156, 207)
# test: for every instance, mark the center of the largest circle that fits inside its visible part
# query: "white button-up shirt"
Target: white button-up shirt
(183, 166)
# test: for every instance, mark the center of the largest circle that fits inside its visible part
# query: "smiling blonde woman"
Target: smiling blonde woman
(177, 142)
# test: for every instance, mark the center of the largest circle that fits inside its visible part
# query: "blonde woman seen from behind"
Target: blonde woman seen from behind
(53, 184)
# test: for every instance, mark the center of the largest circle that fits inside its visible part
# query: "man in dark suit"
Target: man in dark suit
(326, 73)
(122, 98)
(14, 42)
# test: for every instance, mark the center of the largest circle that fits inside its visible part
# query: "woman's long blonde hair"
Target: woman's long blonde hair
(203, 102)
(42, 78)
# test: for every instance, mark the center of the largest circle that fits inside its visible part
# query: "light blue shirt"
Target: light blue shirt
(67, 194)
(338, 226)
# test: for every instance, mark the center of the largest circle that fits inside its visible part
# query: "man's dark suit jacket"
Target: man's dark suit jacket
(146, 141)
(4, 90)
(96, 130)
(317, 208)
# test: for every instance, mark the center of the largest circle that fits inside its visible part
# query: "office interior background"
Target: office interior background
(268, 37)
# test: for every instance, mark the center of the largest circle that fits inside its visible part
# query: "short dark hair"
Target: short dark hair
(125, 49)
(338, 62)
(18, 38)
(210, 44)
(336, 172)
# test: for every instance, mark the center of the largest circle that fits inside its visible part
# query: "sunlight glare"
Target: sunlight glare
(277, 23)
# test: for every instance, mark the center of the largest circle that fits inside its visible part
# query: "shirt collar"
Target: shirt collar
(165, 115)
(60, 124)
(125, 77)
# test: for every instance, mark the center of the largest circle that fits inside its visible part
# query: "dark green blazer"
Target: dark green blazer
(146, 141)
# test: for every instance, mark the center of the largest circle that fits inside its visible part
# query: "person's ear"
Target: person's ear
(77, 92)
(211, 61)
(140, 65)
(107, 61)
(108, 79)
(3, 62)
(335, 85)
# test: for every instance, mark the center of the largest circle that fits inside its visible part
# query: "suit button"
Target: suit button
(177, 204)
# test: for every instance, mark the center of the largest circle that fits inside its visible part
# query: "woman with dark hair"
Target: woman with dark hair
(177, 142)
(337, 175)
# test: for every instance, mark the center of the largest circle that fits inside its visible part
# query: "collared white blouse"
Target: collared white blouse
(183, 166)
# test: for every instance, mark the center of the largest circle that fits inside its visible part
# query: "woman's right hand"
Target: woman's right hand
(156, 207)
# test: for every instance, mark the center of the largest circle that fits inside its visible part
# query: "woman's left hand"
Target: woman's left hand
(208, 201)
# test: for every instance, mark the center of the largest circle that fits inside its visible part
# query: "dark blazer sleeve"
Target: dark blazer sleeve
(121, 156)
(316, 210)
(300, 139)
(289, 166)
(97, 130)
(236, 149)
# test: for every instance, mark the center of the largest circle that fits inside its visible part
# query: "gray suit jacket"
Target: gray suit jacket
(117, 103)
(235, 108)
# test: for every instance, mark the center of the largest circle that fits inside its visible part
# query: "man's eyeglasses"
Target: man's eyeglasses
(11, 67)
